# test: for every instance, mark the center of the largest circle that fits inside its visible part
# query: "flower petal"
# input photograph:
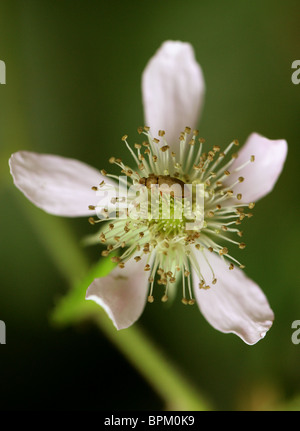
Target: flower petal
(122, 293)
(261, 175)
(235, 304)
(173, 90)
(58, 185)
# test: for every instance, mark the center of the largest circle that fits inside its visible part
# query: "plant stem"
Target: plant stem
(160, 372)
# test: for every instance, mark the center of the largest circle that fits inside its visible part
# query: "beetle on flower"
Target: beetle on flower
(163, 250)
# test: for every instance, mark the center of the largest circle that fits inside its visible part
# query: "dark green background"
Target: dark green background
(73, 88)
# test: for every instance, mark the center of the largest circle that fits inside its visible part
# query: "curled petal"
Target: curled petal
(58, 185)
(261, 175)
(173, 90)
(235, 304)
(122, 293)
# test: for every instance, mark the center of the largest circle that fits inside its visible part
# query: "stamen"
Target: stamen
(169, 247)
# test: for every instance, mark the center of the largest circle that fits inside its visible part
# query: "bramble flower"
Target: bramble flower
(175, 225)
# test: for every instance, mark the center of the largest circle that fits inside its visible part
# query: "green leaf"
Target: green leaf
(73, 306)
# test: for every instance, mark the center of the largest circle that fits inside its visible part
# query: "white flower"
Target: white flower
(163, 249)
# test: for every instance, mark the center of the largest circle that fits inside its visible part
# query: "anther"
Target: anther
(241, 179)
(251, 205)
(223, 250)
(91, 220)
(242, 245)
(164, 298)
(92, 207)
(184, 301)
(150, 299)
(115, 259)
(191, 302)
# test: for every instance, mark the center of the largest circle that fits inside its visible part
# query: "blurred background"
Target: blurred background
(73, 88)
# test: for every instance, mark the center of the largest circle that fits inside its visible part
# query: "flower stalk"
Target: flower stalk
(146, 357)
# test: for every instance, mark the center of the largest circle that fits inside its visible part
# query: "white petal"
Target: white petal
(235, 304)
(173, 90)
(261, 175)
(59, 185)
(122, 293)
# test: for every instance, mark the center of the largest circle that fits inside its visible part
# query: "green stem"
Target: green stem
(58, 240)
(154, 366)
(160, 372)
